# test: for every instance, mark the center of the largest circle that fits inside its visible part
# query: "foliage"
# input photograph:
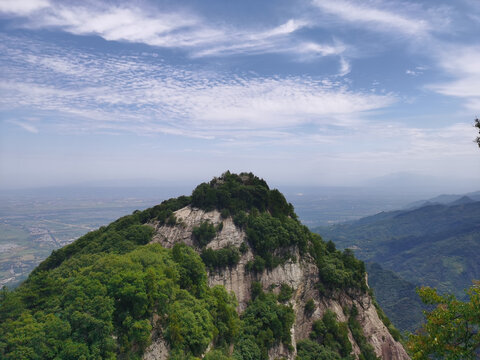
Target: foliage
(267, 235)
(222, 306)
(221, 258)
(240, 192)
(240, 219)
(189, 324)
(216, 355)
(225, 213)
(286, 293)
(451, 330)
(204, 233)
(257, 265)
(311, 350)
(337, 269)
(243, 247)
(74, 310)
(120, 237)
(477, 125)
(264, 323)
(435, 245)
(367, 351)
(332, 334)
(309, 307)
(396, 297)
(193, 276)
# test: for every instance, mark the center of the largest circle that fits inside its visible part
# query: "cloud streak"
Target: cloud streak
(461, 63)
(25, 126)
(179, 29)
(398, 17)
(140, 94)
(356, 12)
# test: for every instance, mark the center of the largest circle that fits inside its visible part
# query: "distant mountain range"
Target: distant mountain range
(447, 199)
(436, 244)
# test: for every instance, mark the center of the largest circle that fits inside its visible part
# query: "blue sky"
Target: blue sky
(315, 92)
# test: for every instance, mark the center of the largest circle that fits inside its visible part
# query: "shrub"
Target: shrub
(204, 233)
(265, 323)
(240, 219)
(221, 258)
(243, 247)
(285, 293)
(225, 213)
(309, 307)
(171, 220)
(332, 334)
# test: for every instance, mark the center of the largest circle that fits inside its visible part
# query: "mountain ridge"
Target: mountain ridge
(434, 245)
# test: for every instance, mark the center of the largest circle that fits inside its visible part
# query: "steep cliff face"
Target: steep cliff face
(301, 275)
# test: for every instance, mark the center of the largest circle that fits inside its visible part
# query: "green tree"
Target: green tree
(477, 125)
(204, 233)
(451, 330)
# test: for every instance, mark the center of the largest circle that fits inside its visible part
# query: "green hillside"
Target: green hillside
(436, 245)
(106, 294)
(397, 297)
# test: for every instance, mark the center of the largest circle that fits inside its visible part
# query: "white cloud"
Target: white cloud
(175, 29)
(371, 14)
(462, 63)
(24, 7)
(24, 125)
(345, 67)
(123, 23)
(140, 95)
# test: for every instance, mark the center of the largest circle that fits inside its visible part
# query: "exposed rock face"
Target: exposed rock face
(301, 276)
(158, 350)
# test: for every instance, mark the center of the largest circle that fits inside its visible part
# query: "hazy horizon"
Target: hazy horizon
(414, 185)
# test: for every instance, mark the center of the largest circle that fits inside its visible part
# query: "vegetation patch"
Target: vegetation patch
(204, 233)
(265, 323)
(367, 351)
(221, 258)
(309, 307)
(286, 293)
(242, 192)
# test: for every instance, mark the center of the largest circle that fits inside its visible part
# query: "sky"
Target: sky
(314, 92)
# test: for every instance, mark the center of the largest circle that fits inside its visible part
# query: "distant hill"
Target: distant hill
(436, 245)
(445, 199)
(397, 297)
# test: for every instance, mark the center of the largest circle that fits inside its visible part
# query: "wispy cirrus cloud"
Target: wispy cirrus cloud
(25, 126)
(393, 17)
(180, 29)
(461, 63)
(139, 94)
